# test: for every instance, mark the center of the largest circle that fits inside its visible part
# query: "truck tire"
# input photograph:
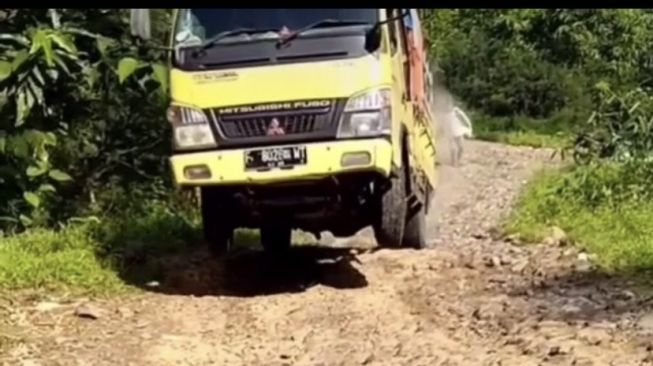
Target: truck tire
(390, 215)
(415, 231)
(217, 228)
(276, 238)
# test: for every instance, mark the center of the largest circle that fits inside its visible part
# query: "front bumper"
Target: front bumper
(227, 167)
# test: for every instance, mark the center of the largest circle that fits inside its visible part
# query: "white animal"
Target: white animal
(453, 124)
(458, 126)
(461, 128)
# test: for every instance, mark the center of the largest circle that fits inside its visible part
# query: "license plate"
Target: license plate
(275, 157)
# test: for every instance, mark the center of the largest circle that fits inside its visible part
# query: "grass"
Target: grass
(524, 138)
(523, 131)
(95, 257)
(48, 259)
(108, 256)
(600, 210)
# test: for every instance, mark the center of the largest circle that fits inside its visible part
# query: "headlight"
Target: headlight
(367, 114)
(191, 128)
(193, 136)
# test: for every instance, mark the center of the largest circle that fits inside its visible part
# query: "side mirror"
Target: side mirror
(140, 23)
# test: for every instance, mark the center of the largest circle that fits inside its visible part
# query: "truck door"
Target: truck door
(400, 90)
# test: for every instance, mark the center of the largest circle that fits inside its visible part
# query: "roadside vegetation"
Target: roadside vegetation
(523, 131)
(99, 254)
(527, 75)
(578, 81)
(85, 191)
(615, 225)
(86, 200)
(604, 201)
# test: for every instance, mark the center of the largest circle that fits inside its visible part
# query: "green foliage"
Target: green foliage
(559, 77)
(519, 130)
(540, 63)
(509, 82)
(605, 209)
(102, 254)
(81, 107)
(620, 127)
(605, 202)
(41, 258)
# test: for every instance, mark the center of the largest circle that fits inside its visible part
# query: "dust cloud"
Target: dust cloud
(441, 103)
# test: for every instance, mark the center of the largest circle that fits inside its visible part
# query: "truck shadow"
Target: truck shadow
(251, 272)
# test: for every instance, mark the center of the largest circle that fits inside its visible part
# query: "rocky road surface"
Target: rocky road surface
(474, 299)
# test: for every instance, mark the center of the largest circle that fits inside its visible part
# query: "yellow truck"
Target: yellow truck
(299, 119)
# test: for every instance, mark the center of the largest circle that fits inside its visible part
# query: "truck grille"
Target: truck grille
(258, 126)
(252, 123)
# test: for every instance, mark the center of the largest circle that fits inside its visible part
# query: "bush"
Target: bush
(82, 105)
(45, 258)
(605, 209)
(519, 130)
(620, 128)
(538, 63)
(605, 202)
(502, 80)
(101, 255)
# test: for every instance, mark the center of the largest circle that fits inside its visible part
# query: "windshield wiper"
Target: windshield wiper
(230, 33)
(287, 39)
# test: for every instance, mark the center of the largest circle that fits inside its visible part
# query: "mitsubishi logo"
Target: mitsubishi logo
(274, 129)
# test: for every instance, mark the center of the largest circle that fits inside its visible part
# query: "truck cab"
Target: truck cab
(301, 119)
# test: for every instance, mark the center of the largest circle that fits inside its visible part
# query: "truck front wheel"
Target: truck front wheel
(217, 227)
(390, 215)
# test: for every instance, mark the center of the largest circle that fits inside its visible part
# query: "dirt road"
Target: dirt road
(473, 299)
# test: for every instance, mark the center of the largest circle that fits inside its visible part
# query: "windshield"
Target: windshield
(194, 26)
